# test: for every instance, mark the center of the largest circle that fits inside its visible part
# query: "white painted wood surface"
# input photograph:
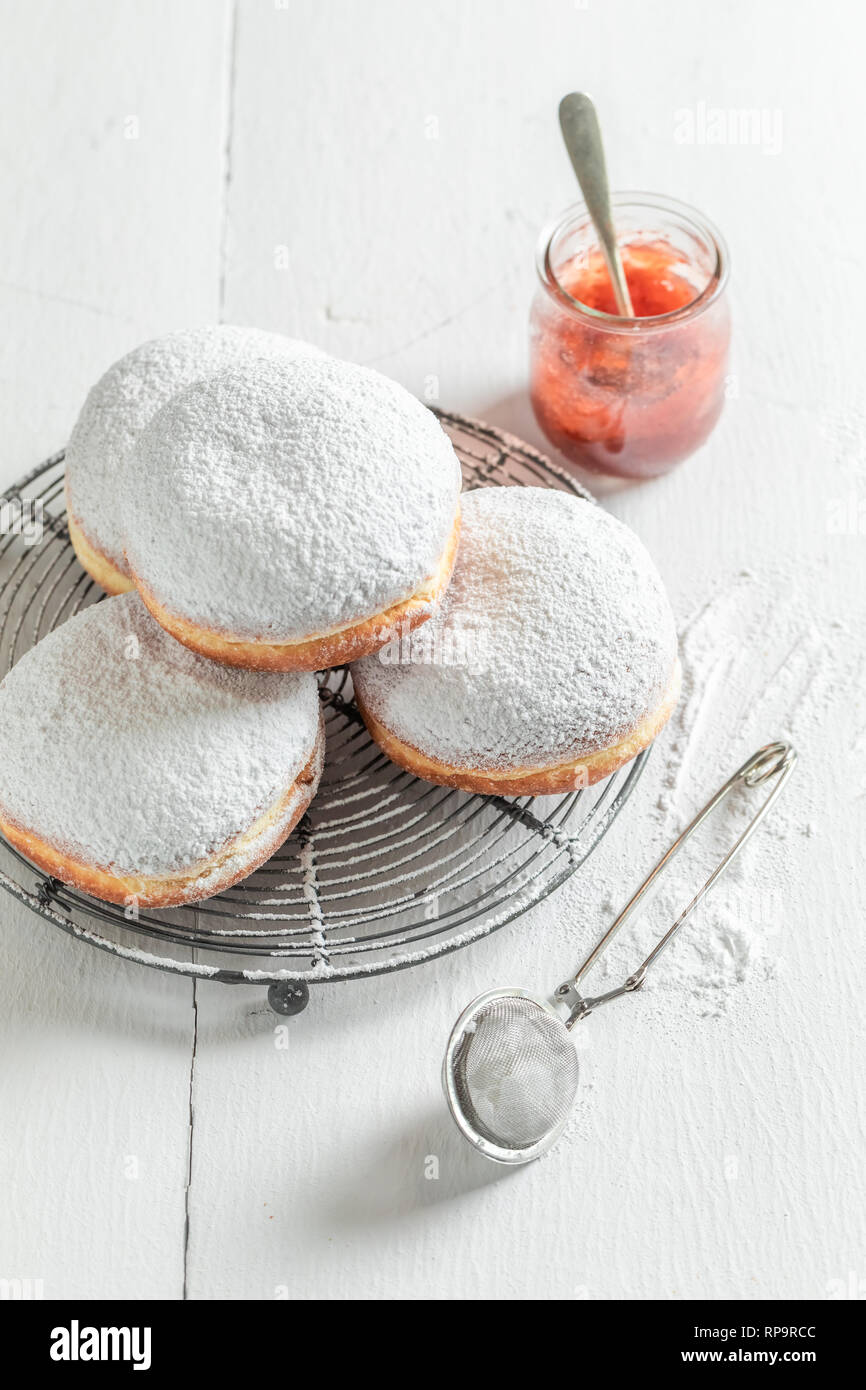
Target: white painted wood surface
(372, 177)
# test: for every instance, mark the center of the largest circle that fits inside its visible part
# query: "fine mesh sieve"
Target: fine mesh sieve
(515, 1071)
(510, 1071)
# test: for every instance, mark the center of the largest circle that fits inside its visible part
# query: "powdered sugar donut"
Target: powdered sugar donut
(162, 782)
(552, 660)
(291, 517)
(117, 409)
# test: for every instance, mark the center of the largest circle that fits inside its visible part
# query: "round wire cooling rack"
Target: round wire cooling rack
(383, 872)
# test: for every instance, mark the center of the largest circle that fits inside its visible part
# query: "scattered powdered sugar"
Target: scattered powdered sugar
(123, 749)
(127, 397)
(567, 639)
(727, 940)
(276, 503)
(311, 897)
(777, 674)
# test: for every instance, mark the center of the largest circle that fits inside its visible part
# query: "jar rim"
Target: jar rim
(656, 202)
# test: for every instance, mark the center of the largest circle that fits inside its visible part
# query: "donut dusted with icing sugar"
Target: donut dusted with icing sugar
(291, 517)
(117, 409)
(137, 771)
(551, 661)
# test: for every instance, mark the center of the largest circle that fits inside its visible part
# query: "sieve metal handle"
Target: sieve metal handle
(776, 760)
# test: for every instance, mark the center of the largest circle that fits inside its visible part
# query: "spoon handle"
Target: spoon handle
(582, 135)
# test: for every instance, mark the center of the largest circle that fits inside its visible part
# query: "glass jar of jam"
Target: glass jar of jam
(630, 397)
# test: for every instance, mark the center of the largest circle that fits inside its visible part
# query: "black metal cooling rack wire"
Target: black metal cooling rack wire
(383, 872)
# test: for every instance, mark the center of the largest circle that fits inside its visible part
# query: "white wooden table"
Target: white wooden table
(373, 178)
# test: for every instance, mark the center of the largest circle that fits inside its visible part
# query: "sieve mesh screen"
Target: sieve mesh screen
(515, 1072)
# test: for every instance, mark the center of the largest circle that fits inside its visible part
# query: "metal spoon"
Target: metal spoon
(581, 132)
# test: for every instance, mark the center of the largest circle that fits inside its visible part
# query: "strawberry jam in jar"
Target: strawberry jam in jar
(630, 397)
